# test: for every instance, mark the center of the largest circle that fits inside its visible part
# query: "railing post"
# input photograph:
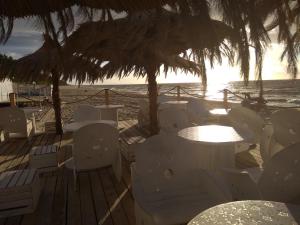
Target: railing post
(106, 96)
(178, 93)
(225, 98)
(12, 99)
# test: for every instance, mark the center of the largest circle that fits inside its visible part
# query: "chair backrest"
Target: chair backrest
(197, 111)
(268, 144)
(13, 119)
(280, 180)
(86, 112)
(265, 141)
(95, 146)
(162, 163)
(244, 119)
(286, 126)
(164, 98)
(173, 119)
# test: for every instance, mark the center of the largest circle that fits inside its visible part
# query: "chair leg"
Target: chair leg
(75, 179)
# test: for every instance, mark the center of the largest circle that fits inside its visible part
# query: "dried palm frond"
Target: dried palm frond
(130, 44)
(39, 65)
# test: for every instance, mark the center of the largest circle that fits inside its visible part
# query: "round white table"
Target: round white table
(31, 110)
(30, 114)
(176, 104)
(249, 213)
(219, 115)
(219, 112)
(71, 127)
(109, 112)
(214, 145)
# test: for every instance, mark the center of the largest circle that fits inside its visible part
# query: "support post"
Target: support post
(106, 92)
(12, 99)
(225, 100)
(153, 107)
(56, 102)
(178, 93)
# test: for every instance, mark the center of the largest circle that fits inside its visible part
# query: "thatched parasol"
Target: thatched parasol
(46, 64)
(140, 44)
(240, 15)
(63, 10)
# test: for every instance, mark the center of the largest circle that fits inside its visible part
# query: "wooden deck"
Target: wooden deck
(100, 198)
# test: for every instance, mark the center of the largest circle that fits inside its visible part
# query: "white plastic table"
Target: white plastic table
(177, 104)
(109, 112)
(71, 127)
(214, 144)
(249, 213)
(219, 112)
(30, 113)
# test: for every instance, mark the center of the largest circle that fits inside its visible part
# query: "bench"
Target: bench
(19, 192)
(44, 158)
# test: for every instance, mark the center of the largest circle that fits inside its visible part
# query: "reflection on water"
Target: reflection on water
(215, 91)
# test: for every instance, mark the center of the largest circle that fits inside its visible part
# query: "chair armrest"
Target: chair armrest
(241, 185)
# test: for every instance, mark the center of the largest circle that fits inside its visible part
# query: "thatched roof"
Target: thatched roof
(39, 65)
(240, 15)
(63, 9)
(24, 8)
(130, 44)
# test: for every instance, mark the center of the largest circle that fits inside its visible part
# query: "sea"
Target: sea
(278, 93)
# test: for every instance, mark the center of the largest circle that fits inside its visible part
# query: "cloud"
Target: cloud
(24, 40)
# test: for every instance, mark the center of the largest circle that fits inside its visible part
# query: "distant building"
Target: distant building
(32, 89)
(6, 87)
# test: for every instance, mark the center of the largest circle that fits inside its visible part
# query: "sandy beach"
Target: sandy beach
(72, 96)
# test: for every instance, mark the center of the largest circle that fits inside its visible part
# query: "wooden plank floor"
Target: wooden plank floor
(100, 198)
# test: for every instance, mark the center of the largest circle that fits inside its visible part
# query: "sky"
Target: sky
(26, 38)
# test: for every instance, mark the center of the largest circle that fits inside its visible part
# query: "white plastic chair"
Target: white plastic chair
(244, 119)
(14, 122)
(197, 111)
(268, 144)
(249, 125)
(95, 146)
(168, 186)
(86, 112)
(286, 125)
(172, 120)
(278, 181)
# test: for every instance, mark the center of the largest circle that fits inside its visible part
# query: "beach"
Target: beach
(130, 95)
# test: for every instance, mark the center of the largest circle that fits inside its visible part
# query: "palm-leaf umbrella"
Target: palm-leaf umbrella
(238, 14)
(63, 10)
(143, 42)
(46, 64)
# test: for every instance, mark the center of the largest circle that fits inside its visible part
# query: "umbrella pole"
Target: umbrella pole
(261, 89)
(56, 102)
(152, 91)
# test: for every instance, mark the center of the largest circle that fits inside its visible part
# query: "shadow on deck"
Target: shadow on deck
(99, 199)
